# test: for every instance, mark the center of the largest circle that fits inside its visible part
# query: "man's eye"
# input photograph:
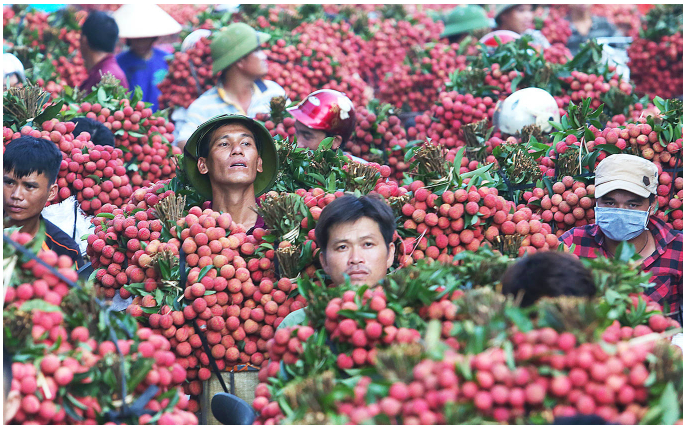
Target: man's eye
(246, 143)
(369, 244)
(341, 247)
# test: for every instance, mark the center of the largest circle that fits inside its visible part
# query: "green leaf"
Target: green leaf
(204, 271)
(611, 149)
(39, 305)
(671, 410)
(49, 113)
(521, 321)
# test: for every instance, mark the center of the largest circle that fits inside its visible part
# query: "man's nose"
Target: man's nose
(355, 257)
(238, 149)
(17, 193)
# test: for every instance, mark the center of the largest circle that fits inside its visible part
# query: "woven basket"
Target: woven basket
(241, 381)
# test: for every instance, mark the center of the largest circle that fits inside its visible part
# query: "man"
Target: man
(548, 274)
(355, 236)
(30, 168)
(626, 193)
(231, 159)
(99, 35)
(463, 20)
(586, 26)
(13, 72)
(141, 24)
(324, 113)
(12, 397)
(519, 19)
(241, 89)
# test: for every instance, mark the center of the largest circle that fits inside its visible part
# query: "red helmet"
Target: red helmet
(327, 110)
(504, 36)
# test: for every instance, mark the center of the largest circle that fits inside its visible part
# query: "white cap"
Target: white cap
(144, 19)
(11, 64)
(193, 37)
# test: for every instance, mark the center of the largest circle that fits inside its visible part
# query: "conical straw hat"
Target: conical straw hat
(144, 20)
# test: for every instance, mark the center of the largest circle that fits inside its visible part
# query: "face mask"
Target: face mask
(621, 224)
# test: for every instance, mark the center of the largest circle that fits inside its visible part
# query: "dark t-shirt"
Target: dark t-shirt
(60, 242)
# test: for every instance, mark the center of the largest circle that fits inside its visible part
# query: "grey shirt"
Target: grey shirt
(600, 28)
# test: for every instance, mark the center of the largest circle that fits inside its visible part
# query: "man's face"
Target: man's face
(13, 81)
(307, 137)
(624, 200)
(233, 157)
(24, 198)
(141, 46)
(357, 249)
(255, 63)
(518, 19)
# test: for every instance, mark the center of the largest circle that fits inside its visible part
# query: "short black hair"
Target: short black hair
(101, 31)
(6, 372)
(204, 144)
(100, 135)
(26, 155)
(349, 209)
(548, 274)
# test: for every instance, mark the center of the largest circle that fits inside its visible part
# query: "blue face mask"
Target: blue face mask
(621, 224)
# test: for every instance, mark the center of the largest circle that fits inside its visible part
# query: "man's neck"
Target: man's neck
(237, 202)
(30, 226)
(581, 16)
(640, 243)
(95, 58)
(238, 86)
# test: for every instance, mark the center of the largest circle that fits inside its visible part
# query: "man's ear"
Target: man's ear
(336, 142)
(390, 255)
(52, 192)
(259, 167)
(202, 166)
(323, 260)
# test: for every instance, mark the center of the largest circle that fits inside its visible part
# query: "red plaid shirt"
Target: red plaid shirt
(665, 264)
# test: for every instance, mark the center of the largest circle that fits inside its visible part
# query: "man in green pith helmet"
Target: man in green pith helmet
(236, 53)
(463, 20)
(230, 160)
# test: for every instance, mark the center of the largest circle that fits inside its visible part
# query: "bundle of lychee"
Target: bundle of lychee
(390, 41)
(571, 204)
(379, 136)
(189, 75)
(413, 84)
(279, 122)
(67, 374)
(553, 24)
(656, 56)
(443, 123)
(95, 175)
(582, 86)
(145, 139)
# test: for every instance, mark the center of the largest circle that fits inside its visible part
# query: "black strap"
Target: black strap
(76, 206)
(204, 341)
(213, 364)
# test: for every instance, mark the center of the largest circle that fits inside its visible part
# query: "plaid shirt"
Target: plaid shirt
(665, 264)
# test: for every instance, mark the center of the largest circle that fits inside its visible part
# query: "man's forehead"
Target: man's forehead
(32, 177)
(231, 129)
(354, 230)
(622, 195)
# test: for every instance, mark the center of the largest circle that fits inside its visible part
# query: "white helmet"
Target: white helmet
(11, 64)
(529, 106)
(193, 37)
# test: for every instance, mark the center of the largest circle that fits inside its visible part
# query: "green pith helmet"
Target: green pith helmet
(233, 43)
(264, 180)
(463, 19)
(501, 8)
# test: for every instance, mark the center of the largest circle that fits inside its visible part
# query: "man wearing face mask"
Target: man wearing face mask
(626, 194)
